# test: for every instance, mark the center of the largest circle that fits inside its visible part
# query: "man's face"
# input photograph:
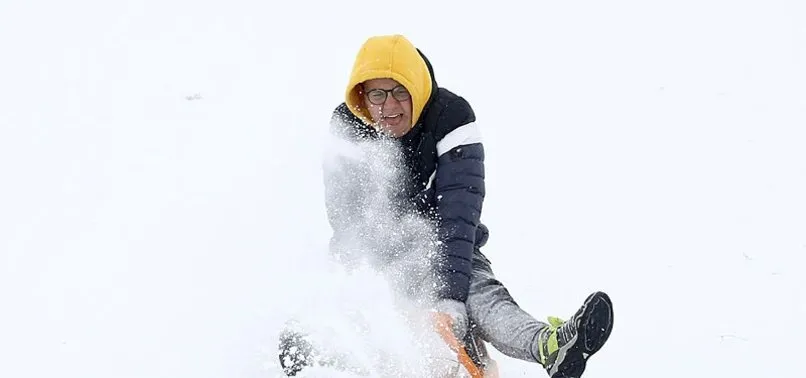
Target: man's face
(391, 110)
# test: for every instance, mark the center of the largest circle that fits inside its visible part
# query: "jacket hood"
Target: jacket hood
(394, 57)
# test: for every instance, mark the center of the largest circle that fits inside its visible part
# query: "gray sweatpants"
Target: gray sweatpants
(494, 315)
(497, 318)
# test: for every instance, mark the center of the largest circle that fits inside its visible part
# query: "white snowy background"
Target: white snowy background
(161, 205)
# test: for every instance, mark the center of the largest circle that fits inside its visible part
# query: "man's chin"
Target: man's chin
(396, 128)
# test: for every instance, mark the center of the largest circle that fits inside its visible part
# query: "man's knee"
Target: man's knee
(487, 292)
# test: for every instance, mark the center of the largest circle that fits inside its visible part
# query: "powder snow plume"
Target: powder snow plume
(370, 308)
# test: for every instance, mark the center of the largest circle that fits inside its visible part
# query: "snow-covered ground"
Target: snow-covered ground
(161, 205)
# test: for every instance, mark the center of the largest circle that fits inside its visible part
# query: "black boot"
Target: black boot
(566, 346)
(295, 353)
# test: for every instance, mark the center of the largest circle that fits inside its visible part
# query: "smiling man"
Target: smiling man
(393, 95)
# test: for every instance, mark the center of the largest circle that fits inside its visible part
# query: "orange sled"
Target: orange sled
(471, 352)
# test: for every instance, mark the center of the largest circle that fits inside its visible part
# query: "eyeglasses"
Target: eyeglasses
(378, 96)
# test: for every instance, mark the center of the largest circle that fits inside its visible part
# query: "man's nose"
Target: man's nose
(391, 100)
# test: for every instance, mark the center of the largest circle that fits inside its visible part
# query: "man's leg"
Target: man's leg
(498, 318)
(563, 348)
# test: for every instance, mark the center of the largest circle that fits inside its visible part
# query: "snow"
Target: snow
(161, 204)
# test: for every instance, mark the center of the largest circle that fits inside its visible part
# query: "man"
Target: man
(393, 95)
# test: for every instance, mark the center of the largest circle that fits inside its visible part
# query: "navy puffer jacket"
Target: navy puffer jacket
(444, 156)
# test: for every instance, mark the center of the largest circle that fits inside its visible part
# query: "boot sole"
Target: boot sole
(594, 325)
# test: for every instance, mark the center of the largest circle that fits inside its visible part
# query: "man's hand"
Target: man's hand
(452, 314)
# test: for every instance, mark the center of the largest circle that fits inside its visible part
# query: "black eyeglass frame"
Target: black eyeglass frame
(396, 95)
